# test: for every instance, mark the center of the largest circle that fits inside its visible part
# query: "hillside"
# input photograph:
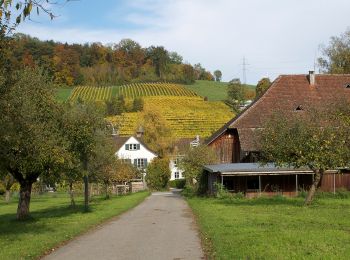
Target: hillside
(186, 112)
(215, 91)
(187, 116)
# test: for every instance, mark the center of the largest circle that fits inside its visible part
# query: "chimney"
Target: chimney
(312, 79)
(140, 132)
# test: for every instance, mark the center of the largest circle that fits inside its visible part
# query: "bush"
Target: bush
(158, 174)
(179, 183)
(2, 190)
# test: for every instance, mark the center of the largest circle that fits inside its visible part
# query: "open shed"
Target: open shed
(254, 179)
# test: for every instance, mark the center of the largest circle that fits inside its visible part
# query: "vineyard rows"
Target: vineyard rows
(130, 91)
(88, 93)
(154, 89)
(187, 116)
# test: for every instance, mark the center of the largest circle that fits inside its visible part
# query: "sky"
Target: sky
(273, 36)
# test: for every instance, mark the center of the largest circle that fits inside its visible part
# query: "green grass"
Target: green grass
(275, 228)
(63, 94)
(215, 91)
(53, 222)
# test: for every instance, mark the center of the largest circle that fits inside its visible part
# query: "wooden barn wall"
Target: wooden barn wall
(340, 181)
(227, 147)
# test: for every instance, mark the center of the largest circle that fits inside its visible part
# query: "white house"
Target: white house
(133, 150)
(181, 147)
(176, 172)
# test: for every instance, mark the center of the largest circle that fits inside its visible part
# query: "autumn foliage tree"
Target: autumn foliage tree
(319, 140)
(30, 138)
(336, 56)
(262, 86)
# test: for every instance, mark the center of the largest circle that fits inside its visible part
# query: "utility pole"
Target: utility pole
(244, 70)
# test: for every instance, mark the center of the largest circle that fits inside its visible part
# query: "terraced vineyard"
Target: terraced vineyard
(154, 89)
(131, 91)
(91, 93)
(187, 116)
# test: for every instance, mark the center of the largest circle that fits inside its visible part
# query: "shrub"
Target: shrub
(158, 174)
(179, 183)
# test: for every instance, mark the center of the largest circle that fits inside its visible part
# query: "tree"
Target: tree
(20, 10)
(81, 124)
(7, 181)
(158, 135)
(319, 140)
(188, 72)
(158, 173)
(160, 59)
(218, 75)
(30, 138)
(336, 55)
(137, 104)
(115, 106)
(125, 171)
(262, 86)
(103, 160)
(236, 95)
(193, 161)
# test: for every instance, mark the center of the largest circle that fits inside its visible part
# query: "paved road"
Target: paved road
(161, 227)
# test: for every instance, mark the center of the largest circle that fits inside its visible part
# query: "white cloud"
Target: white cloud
(275, 36)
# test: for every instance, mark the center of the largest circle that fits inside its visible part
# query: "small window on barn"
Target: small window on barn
(299, 108)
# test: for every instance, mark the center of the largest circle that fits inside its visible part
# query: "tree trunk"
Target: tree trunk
(7, 196)
(24, 200)
(106, 186)
(71, 194)
(314, 186)
(86, 193)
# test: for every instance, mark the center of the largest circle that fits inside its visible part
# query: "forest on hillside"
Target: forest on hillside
(96, 64)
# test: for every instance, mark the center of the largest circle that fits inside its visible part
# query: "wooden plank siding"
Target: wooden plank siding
(337, 181)
(227, 147)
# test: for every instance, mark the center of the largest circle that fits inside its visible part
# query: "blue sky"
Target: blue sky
(275, 37)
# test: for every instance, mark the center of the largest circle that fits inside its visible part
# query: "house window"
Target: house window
(140, 163)
(176, 162)
(177, 175)
(132, 147)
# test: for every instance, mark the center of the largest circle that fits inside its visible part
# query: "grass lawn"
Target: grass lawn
(276, 228)
(63, 94)
(215, 91)
(53, 222)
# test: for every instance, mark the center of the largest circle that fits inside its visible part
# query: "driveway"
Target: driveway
(162, 227)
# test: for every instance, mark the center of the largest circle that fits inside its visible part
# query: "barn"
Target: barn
(237, 147)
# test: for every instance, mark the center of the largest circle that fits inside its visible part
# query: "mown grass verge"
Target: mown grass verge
(52, 222)
(274, 228)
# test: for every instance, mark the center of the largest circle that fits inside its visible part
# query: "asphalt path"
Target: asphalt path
(161, 227)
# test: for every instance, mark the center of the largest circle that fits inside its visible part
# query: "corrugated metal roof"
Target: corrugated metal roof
(253, 169)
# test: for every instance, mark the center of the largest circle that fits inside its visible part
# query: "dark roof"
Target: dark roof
(120, 141)
(253, 169)
(181, 145)
(287, 93)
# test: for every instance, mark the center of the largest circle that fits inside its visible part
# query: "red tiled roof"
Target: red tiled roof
(287, 93)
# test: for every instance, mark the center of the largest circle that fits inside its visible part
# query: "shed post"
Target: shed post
(296, 184)
(222, 181)
(260, 185)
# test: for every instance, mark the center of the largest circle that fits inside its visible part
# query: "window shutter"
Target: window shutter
(138, 146)
(145, 162)
(126, 147)
(135, 162)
